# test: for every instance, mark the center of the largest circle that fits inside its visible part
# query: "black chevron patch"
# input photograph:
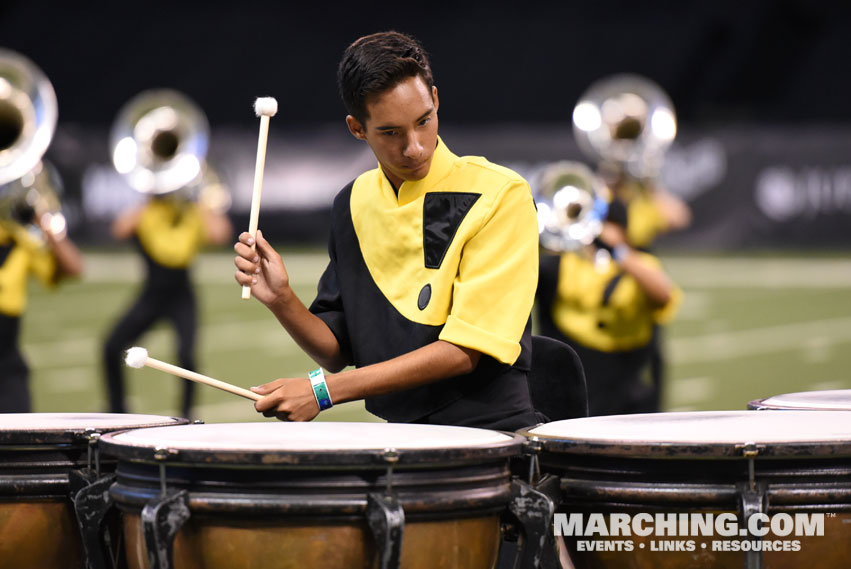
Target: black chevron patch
(443, 213)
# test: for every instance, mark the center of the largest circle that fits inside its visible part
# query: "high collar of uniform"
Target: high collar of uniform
(442, 162)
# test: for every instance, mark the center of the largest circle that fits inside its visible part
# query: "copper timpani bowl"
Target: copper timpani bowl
(45, 458)
(330, 495)
(717, 465)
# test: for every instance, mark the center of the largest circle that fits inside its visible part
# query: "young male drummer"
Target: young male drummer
(432, 272)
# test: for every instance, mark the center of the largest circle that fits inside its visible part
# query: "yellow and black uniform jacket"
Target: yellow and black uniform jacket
(646, 219)
(600, 306)
(21, 256)
(170, 233)
(453, 257)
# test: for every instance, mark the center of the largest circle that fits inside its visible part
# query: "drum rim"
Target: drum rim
(212, 458)
(687, 450)
(72, 435)
(694, 451)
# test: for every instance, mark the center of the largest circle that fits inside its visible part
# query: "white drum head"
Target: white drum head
(66, 422)
(709, 433)
(71, 428)
(325, 436)
(837, 399)
(274, 444)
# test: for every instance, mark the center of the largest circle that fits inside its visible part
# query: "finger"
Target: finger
(263, 246)
(268, 403)
(265, 406)
(245, 237)
(246, 266)
(246, 252)
(244, 280)
(268, 387)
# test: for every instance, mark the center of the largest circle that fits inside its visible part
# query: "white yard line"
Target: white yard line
(741, 343)
(759, 273)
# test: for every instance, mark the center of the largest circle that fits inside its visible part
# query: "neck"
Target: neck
(395, 181)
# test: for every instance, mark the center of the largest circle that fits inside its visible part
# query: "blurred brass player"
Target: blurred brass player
(626, 123)
(597, 293)
(33, 237)
(159, 143)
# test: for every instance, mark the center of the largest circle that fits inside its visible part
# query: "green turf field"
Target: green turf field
(748, 328)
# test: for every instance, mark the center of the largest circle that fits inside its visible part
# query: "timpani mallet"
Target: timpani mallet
(138, 357)
(264, 107)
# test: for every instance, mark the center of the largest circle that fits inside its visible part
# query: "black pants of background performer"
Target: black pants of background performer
(618, 383)
(14, 372)
(14, 383)
(176, 305)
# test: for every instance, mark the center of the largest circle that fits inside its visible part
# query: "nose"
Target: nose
(413, 147)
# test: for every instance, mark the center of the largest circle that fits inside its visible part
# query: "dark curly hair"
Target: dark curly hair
(378, 62)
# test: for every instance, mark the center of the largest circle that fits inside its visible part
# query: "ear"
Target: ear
(355, 127)
(434, 98)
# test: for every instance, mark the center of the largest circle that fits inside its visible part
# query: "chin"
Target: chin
(419, 174)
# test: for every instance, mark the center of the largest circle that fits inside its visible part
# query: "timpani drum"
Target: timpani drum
(682, 489)
(330, 495)
(46, 459)
(829, 400)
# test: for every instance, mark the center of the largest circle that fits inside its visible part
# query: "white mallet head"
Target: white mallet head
(136, 357)
(265, 106)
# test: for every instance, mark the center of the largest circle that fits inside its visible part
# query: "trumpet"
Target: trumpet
(159, 142)
(572, 204)
(625, 122)
(29, 186)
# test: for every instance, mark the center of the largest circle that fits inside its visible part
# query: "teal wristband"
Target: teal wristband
(320, 390)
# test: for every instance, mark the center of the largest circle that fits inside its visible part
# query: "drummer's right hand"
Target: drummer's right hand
(288, 399)
(262, 269)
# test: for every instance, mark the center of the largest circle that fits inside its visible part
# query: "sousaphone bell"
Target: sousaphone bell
(625, 122)
(29, 186)
(159, 142)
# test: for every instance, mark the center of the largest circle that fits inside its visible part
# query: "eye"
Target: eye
(389, 132)
(425, 121)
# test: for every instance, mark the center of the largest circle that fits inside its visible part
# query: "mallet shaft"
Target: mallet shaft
(199, 378)
(259, 167)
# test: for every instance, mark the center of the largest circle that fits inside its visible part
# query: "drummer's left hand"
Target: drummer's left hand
(288, 399)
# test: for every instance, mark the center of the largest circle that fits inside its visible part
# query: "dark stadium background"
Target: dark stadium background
(758, 86)
(761, 61)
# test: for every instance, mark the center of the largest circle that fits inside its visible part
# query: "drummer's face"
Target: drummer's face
(401, 129)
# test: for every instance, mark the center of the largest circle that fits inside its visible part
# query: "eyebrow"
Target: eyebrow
(421, 117)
